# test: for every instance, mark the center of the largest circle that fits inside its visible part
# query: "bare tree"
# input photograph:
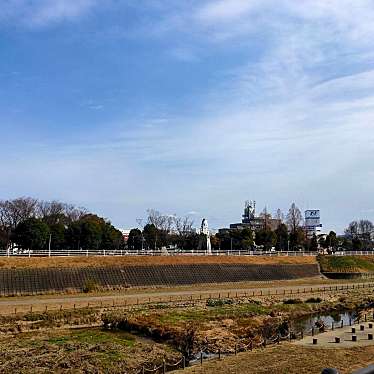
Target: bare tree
(183, 225)
(12, 212)
(362, 229)
(294, 218)
(160, 221)
(74, 213)
(279, 215)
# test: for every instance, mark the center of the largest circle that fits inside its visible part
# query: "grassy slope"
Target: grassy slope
(15, 262)
(347, 264)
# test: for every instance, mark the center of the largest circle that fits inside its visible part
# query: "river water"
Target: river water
(306, 324)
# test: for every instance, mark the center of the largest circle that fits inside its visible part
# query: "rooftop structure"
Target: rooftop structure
(253, 222)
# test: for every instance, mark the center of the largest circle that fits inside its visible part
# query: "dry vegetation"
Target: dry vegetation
(80, 351)
(216, 324)
(224, 323)
(19, 262)
(288, 359)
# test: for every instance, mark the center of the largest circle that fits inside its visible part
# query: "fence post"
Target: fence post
(219, 353)
(201, 357)
(184, 362)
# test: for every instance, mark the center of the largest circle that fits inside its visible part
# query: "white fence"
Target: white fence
(87, 253)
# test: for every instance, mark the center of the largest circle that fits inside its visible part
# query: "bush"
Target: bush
(89, 286)
(313, 300)
(219, 302)
(292, 301)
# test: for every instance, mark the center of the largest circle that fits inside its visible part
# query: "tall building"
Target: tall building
(253, 222)
(312, 222)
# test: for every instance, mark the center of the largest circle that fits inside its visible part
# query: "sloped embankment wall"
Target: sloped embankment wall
(44, 280)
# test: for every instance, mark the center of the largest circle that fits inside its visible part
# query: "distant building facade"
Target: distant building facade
(253, 222)
(125, 234)
(313, 224)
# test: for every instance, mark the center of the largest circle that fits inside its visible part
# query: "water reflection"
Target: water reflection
(306, 324)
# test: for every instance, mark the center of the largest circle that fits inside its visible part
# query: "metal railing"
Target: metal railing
(172, 252)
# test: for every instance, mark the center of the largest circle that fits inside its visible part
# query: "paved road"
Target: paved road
(133, 297)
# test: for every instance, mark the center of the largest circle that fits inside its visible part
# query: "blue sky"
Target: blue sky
(189, 107)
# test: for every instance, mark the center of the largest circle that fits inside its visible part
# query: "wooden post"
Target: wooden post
(184, 362)
(201, 357)
(219, 353)
(332, 326)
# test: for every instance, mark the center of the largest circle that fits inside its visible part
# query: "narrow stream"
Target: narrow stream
(306, 324)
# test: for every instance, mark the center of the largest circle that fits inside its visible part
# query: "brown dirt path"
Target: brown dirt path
(285, 289)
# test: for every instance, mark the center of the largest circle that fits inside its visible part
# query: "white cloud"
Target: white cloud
(225, 10)
(44, 12)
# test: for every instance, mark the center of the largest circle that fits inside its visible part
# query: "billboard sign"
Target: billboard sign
(312, 214)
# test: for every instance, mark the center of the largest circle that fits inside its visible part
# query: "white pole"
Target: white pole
(49, 245)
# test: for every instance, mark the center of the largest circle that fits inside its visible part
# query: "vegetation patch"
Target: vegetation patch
(313, 300)
(292, 301)
(90, 286)
(346, 264)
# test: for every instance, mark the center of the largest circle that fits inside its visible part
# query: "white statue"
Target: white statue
(205, 240)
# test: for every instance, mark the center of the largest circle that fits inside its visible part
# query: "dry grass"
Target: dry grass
(80, 351)
(289, 359)
(17, 262)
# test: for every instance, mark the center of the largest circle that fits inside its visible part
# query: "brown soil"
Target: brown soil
(18, 262)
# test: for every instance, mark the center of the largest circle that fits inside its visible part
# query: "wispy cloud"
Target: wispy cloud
(41, 13)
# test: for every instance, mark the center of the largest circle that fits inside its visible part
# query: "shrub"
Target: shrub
(89, 286)
(219, 302)
(292, 301)
(313, 300)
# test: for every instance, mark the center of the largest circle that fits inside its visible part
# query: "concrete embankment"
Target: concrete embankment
(147, 272)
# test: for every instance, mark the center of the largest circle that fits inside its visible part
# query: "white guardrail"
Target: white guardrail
(68, 253)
